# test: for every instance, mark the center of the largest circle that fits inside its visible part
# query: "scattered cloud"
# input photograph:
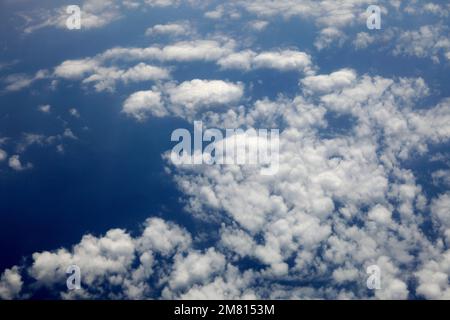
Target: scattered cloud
(15, 164)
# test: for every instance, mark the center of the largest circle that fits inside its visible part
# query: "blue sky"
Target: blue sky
(85, 123)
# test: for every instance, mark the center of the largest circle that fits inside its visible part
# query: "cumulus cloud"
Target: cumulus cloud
(195, 268)
(429, 41)
(194, 50)
(328, 37)
(327, 83)
(44, 108)
(295, 210)
(15, 164)
(115, 260)
(182, 28)
(282, 60)
(183, 100)
(201, 93)
(75, 69)
(142, 103)
(103, 70)
(105, 78)
(10, 284)
(363, 40)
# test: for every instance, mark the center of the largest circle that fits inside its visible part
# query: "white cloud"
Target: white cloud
(430, 41)
(182, 100)
(10, 284)
(332, 82)
(117, 260)
(143, 103)
(181, 28)
(329, 36)
(195, 50)
(363, 40)
(105, 78)
(15, 164)
(440, 208)
(441, 177)
(16, 82)
(197, 93)
(433, 278)
(75, 69)
(74, 113)
(195, 268)
(144, 72)
(258, 25)
(283, 60)
(294, 214)
(238, 60)
(163, 237)
(44, 108)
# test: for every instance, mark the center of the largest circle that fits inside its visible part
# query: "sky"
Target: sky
(87, 178)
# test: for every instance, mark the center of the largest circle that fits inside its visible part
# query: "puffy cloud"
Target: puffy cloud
(97, 258)
(440, 208)
(142, 103)
(183, 100)
(10, 284)
(332, 82)
(15, 164)
(231, 285)
(195, 268)
(172, 29)
(328, 36)
(429, 41)
(75, 69)
(441, 177)
(323, 184)
(163, 237)
(363, 40)
(195, 50)
(238, 60)
(283, 60)
(115, 260)
(202, 93)
(433, 278)
(105, 78)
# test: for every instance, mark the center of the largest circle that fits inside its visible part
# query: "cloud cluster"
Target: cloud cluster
(337, 205)
(186, 99)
